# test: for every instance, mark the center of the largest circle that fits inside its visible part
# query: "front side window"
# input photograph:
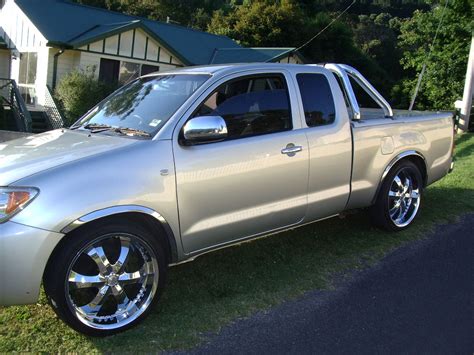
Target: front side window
(145, 104)
(250, 106)
(318, 103)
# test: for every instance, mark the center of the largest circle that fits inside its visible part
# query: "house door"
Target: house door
(109, 70)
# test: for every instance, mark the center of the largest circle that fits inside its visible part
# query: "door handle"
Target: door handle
(291, 149)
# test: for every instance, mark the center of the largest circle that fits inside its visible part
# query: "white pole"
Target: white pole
(467, 94)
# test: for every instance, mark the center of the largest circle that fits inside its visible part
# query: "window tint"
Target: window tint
(318, 103)
(250, 106)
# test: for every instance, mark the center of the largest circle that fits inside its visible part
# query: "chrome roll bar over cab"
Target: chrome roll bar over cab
(344, 72)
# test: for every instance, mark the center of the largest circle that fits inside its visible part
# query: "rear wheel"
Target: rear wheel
(399, 198)
(106, 279)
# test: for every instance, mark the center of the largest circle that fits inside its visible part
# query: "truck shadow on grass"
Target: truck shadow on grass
(217, 288)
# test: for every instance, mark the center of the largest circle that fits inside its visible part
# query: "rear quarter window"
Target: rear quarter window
(318, 102)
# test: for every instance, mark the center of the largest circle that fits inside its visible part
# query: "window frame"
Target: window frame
(191, 112)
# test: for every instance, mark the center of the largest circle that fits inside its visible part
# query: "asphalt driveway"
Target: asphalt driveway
(419, 299)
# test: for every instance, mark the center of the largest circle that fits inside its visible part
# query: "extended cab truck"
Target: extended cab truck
(180, 163)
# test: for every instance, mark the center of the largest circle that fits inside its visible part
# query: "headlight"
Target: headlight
(14, 199)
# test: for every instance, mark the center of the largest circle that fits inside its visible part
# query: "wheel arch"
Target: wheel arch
(411, 155)
(148, 217)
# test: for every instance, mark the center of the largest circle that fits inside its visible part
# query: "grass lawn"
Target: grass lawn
(217, 288)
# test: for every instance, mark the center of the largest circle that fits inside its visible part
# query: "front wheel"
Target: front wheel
(106, 279)
(399, 198)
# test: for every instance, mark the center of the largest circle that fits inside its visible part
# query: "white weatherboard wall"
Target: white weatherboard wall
(67, 62)
(21, 35)
(132, 46)
(17, 29)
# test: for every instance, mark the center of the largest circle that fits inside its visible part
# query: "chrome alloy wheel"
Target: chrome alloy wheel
(112, 281)
(404, 198)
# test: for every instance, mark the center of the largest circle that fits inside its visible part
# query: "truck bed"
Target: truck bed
(369, 114)
(377, 138)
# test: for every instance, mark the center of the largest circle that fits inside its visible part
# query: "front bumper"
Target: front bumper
(24, 252)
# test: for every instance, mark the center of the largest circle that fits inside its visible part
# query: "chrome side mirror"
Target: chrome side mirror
(204, 129)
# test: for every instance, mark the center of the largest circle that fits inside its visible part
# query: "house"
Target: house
(42, 40)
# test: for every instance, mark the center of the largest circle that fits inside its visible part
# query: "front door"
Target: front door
(251, 182)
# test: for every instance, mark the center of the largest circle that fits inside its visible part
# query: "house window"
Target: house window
(147, 69)
(128, 72)
(28, 67)
(113, 71)
(109, 70)
(27, 76)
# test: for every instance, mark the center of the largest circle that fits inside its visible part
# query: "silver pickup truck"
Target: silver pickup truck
(177, 164)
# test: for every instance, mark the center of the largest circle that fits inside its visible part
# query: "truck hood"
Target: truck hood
(23, 157)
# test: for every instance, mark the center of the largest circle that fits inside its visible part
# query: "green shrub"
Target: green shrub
(79, 91)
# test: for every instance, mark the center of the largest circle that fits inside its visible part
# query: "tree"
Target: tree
(192, 13)
(265, 23)
(260, 23)
(445, 59)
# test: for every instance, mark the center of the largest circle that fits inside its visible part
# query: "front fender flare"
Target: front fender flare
(110, 211)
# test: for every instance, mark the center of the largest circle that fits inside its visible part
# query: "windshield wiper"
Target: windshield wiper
(131, 132)
(97, 127)
(100, 127)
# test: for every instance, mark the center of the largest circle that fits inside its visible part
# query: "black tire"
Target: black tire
(66, 296)
(382, 211)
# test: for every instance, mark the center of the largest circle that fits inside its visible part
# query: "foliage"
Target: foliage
(79, 91)
(264, 23)
(387, 40)
(261, 23)
(215, 289)
(185, 12)
(446, 64)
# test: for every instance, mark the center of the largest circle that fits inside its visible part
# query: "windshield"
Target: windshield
(144, 105)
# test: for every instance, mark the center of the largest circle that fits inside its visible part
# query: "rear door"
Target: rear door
(330, 143)
(250, 183)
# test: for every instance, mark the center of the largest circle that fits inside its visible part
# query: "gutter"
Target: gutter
(55, 67)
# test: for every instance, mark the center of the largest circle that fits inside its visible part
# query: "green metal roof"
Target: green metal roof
(68, 24)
